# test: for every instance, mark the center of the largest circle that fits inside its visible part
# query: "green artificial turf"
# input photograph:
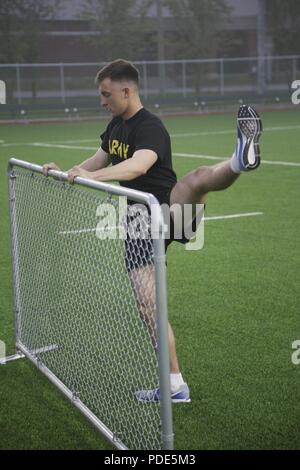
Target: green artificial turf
(234, 305)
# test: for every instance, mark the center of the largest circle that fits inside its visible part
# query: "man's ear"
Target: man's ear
(127, 92)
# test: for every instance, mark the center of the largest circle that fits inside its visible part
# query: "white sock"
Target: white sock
(176, 382)
(234, 164)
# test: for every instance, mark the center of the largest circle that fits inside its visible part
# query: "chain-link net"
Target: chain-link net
(86, 303)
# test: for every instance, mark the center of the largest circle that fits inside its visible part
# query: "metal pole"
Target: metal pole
(184, 78)
(62, 83)
(138, 196)
(162, 327)
(261, 40)
(222, 77)
(294, 64)
(14, 251)
(161, 47)
(18, 84)
(14, 357)
(76, 401)
(145, 80)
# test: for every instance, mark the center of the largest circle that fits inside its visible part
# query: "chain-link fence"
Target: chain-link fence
(69, 87)
(88, 303)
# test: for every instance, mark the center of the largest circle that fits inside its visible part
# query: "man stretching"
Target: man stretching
(138, 146)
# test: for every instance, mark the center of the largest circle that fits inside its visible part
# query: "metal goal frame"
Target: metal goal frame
(159, 261)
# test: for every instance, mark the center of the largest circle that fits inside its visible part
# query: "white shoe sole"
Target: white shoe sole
(249, 130)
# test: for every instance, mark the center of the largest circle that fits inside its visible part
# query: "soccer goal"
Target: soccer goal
(87, 313)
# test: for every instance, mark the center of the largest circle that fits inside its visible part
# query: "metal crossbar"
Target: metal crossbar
(91, 311)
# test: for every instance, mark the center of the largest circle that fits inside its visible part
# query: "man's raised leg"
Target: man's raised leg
(193, 187)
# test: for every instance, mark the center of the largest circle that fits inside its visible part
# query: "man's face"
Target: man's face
(114, 96)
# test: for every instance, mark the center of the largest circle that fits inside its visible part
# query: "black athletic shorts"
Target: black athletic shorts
(139, 251)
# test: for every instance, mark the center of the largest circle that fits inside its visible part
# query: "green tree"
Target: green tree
(121, 27)
(21, 26)
(198, 34)
(198, 26)
(283, 24)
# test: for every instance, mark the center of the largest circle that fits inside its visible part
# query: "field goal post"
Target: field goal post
(77, 315)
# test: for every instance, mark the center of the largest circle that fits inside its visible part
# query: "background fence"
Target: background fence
(70, 87)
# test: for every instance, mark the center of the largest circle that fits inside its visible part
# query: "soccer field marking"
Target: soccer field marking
(233, 216)
(51, 145)
(175, 154)
(75, 141)
(175, 135)
(232, 131)
(88, 230)
(74, 232)
(211, 157)
(117, 227)
(196, 155)
(61, 146)
(204, 133)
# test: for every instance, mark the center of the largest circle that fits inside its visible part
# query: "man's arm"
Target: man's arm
(138, 165)
(99, 160)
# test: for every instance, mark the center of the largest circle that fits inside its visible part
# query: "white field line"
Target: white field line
(75, 232)
(61, 146)
(175, 154)
(179, 135)
(233, 131)
(114, 227)
(210, 157)
(78, 141)
(51, 145)
(196, 155)
(87, 230)
(192, 134)
(233, 216)
(11, 144)
(189, 155)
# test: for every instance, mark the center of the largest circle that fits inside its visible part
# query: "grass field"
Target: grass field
(234, 305)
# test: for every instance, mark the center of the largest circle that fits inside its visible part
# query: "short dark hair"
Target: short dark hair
(118, 70)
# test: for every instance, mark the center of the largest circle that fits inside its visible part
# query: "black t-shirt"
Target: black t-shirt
(142, 131)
